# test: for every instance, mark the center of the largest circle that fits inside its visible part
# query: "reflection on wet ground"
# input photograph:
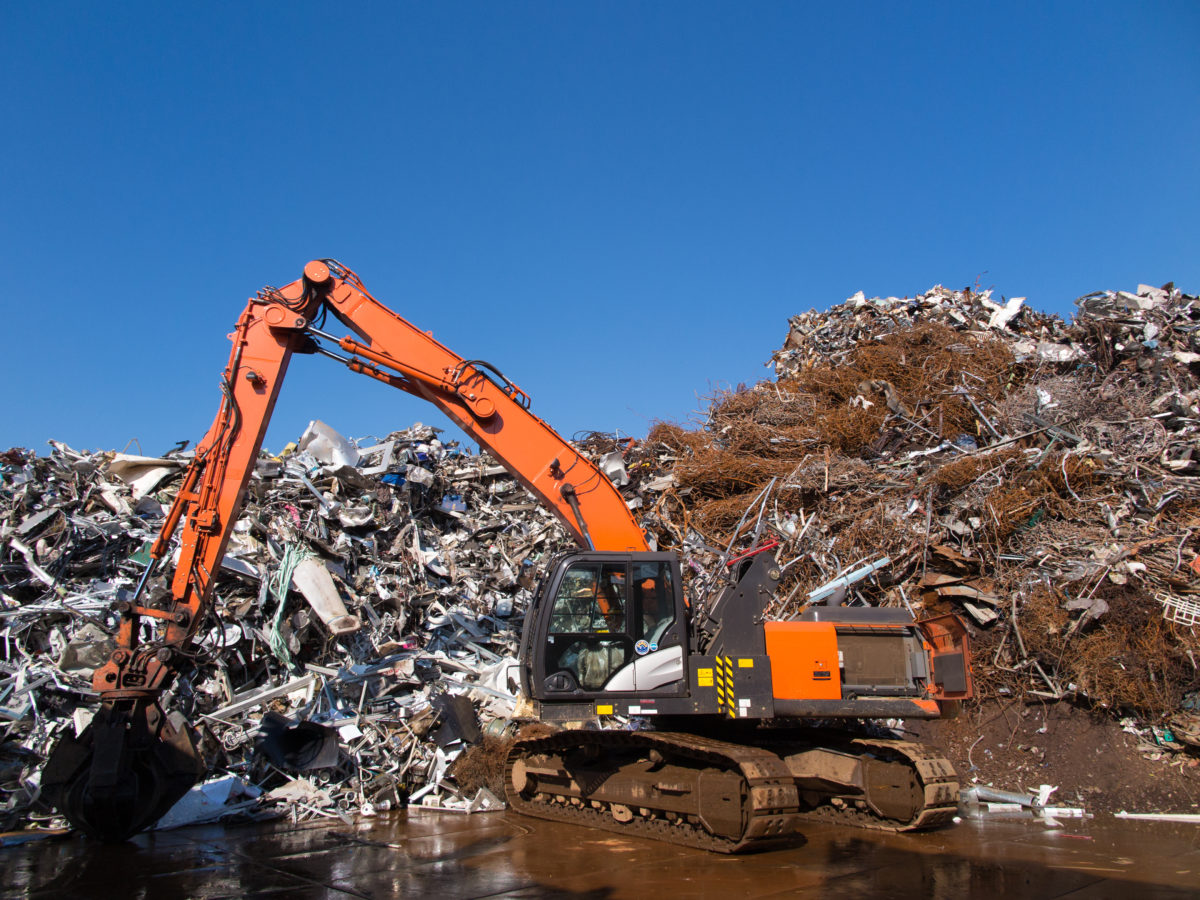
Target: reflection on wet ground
(447, 855)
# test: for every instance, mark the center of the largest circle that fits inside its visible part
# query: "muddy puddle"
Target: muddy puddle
(448, 855)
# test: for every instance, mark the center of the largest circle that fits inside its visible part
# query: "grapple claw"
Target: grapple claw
(124, 771)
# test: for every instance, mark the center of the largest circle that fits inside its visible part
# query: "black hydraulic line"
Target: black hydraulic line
(568, 493)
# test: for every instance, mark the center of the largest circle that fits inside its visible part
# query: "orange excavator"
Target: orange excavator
(740, 750)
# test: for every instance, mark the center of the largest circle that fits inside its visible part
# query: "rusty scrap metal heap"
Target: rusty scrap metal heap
(975, 456)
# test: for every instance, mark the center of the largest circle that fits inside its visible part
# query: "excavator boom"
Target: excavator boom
(489, 408)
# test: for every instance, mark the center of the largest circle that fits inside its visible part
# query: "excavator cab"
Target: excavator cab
(605, 624)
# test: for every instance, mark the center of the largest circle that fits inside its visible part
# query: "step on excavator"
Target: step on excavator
(742, 746)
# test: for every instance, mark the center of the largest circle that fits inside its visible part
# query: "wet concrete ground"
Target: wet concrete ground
(448, 855)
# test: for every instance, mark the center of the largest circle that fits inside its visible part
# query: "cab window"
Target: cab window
(590, 600)
(589, 624)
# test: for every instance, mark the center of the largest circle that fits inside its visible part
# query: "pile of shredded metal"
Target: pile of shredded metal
(363, 633)
(946, 453)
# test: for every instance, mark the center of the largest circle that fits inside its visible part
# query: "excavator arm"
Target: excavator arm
(133, 761)
(486, 405)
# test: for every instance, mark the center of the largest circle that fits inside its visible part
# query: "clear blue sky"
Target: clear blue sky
(619, 204)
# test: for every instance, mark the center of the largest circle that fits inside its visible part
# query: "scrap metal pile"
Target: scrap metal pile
(954, 453)
(942, 453)
(364, 631)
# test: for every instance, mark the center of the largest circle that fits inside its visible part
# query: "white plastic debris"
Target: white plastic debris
(327, 446)
(313, 580)
(210, 801)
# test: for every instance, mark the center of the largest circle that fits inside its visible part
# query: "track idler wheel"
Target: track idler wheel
(122, 774)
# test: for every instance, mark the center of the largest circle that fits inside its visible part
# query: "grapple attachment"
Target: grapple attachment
(122, 774)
